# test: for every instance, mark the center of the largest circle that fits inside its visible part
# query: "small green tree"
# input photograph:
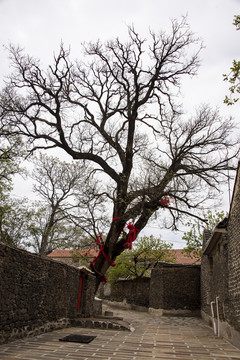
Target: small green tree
(234, 75)
(145, 254)
(194, 236)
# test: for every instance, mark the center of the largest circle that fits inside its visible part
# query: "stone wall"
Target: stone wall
(171, 287)
(134, 292)
(233, 230)
(38, 294)
(175, 287)
(220, 305)
(214, 276)
(220, 288)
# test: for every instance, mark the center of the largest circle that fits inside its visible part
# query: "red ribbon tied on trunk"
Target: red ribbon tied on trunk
(165, 201)
(131, 236)
(101, 250)
(128, 245)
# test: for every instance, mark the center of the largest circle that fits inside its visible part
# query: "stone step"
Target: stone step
(102, 323)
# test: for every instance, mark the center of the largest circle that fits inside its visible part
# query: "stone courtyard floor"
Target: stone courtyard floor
(154, 337)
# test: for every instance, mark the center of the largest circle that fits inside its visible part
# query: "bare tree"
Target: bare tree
(119, 111)
(55, 182)
(48, 231)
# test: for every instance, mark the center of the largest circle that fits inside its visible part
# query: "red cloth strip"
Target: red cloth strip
(80, 292)
(128, 245)
(131, 236)
(101, 250)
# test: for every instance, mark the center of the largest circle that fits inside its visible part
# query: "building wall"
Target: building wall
(233, 229)
(206, 279)
(220, 274)
(214, 280)
(38, 294)
(219, 288)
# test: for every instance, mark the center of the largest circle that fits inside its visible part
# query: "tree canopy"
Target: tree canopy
(194, 236)
(145, 255)
(117, 109)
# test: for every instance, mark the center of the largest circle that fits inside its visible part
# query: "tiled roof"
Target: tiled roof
(59, 253)
(183, 259)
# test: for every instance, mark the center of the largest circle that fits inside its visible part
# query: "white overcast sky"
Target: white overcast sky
(40, 26)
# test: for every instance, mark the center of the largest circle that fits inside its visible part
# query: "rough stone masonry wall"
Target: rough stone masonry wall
(134, 292)
(206, 277)
(214, 280)
(175, 286)
(221, 275)
(233, 229)
(38, 294)
(171, 287)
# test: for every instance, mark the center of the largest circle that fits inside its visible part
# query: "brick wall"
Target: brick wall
(38, 294)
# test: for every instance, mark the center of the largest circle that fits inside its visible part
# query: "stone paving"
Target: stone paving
(155, 337)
